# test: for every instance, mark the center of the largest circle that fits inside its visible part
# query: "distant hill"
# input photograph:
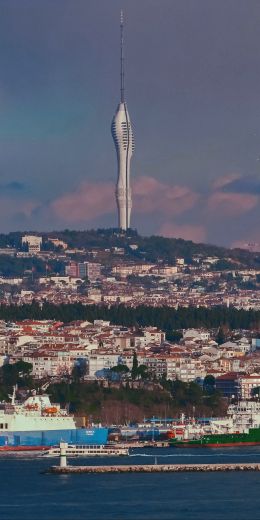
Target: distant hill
(153, 248)
(149, 249)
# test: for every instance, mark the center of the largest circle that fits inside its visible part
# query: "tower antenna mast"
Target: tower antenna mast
(122, 71)
(124, 143)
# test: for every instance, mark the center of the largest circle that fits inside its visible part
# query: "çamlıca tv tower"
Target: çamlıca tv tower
(124, 142)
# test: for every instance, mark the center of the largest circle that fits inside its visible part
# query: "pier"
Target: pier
(64, 468)
(154, 468)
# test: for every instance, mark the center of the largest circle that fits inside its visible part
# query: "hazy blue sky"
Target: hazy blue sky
(193, 93)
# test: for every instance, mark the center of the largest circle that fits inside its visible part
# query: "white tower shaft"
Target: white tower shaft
(124, 142)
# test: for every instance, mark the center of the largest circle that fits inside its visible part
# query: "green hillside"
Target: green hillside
(150, 249)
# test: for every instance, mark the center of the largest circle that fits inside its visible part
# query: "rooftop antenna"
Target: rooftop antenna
(122, 72)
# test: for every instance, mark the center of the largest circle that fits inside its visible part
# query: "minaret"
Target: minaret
(124, 142)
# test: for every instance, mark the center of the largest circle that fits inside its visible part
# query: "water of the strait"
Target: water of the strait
(28, 494)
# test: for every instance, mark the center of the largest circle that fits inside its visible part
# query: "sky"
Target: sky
(193, 94)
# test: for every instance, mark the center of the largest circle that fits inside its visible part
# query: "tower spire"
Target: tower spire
(122, 71)
(124, 143)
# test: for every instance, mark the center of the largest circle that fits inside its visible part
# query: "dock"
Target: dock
(154, 468)
(65, 469)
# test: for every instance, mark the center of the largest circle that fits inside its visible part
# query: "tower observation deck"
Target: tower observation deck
(124, 143)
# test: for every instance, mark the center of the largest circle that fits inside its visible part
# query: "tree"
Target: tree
(194, 393)
(9, 375)
(142, 372)
(117, 372)
(18, 373)
(135, 366)
(120, 369)
(79, 370)
(256, 391)
(24, 369)
(221, 336)
(209, 384)
(173, 335)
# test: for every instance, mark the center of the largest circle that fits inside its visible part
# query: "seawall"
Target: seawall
(155, 468)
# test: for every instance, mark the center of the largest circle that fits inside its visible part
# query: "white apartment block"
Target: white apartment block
(34, 243)
(184, 369)
(124, 270)
(152, 335)
(196, 335)
(50, 364)
(101, 361)
(247, 384)
(155, 365)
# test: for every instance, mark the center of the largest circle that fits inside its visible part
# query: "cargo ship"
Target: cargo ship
(240, 428)
(37, 424)
(221, 440)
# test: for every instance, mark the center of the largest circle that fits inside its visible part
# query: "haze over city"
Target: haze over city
(192, 89)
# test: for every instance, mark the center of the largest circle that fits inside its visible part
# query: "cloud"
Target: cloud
(89, 201)
(225, 180)
(10, 208)
(196, 233)
(13, 186)
(92, 200)
(160, 201)
(151, 195)
(233, 195)
(246, 184)
(231, 204)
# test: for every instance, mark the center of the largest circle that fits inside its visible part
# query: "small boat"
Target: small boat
(91, 450)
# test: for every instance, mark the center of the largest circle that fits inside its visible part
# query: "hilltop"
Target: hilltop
(149, 249)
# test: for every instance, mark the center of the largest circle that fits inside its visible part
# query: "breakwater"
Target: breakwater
(155, 468)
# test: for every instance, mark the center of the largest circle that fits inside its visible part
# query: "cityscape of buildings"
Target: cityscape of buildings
(54, 349)
(105, 276)
(115, 343)
(108, 276)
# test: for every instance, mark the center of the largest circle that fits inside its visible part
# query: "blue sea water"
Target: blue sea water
(28, 494)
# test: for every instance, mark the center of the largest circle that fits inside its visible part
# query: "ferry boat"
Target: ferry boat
(240, 428)
(37, 424)
(74, 450)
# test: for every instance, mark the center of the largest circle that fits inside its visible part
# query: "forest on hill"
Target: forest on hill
(165, 318)
(150, 249)
(118, 403)
(122, 405)
(154, 248)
